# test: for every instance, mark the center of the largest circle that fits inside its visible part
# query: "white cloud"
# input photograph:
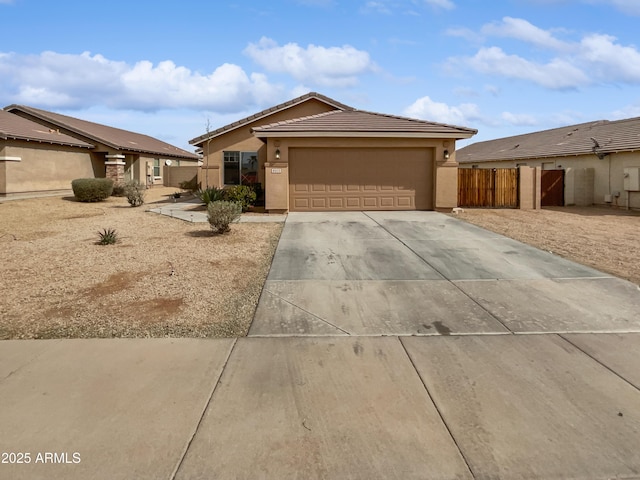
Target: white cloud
(610, 60)
(376, 7)
(556, 74)
(426, 109)
(631, 7)
(519, 119)
(444, 4)
(523, 30)
(466, 34)
(630, 111)
(74, 81)
(593, 59)
(313, 65)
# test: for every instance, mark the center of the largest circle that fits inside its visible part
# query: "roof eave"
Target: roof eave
(345, 134)
(224, 130)
(40, 140)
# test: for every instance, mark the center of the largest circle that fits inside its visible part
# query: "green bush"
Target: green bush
(108, 236)
(221, 214)
(191, 185)
(118, 190)
(242, 194)
(92, 189)
(135, 193)
(210, 194)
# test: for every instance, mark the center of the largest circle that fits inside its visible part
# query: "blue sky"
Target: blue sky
(166, 68)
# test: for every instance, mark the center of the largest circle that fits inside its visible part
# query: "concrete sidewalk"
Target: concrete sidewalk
(450, 407)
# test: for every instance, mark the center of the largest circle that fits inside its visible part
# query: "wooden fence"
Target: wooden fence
(488, 187)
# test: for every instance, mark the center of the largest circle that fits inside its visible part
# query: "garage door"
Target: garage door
(360, 179)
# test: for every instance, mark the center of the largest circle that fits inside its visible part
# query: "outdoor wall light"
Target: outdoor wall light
(277, 154)
(446, 155)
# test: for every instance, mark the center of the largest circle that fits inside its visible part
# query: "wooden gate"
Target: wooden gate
(488, 187)
(552, 188)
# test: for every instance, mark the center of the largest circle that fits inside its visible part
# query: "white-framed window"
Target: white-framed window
(156, 167)
(240, 168)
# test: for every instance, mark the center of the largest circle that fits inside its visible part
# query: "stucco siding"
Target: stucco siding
(42, 169)
(242, 139)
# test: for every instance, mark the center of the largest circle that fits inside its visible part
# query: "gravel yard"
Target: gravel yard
(165, 277)
(607, 239)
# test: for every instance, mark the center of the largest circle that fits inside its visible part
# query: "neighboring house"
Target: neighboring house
(43, 151)
(314, 153)
(601, 159)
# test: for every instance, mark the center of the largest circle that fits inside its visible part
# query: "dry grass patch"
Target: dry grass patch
(603, 238)
(164, 277)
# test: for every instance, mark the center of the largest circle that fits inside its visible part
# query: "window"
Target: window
(240, 168)
(156, 167)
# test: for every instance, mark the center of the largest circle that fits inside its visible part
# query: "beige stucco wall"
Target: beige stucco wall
(445, 180)
(608, 174)
(242, 140)
(174, 176)
(43, 167)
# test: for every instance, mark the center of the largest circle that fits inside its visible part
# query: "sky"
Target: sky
(175, 69)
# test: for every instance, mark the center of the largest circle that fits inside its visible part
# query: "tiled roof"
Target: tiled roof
(15, 127)
(359, 122)
(115, 138)
(267, 112)
(586, 138)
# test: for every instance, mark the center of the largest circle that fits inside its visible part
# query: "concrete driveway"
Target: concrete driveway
(425, 273)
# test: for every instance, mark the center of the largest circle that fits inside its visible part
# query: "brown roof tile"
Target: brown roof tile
(113, 137)
(267, 112)
(611, 137)
(15, 127)
(355, 122)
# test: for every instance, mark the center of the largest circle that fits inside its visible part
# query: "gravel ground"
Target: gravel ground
(607, 239)
(165, 277)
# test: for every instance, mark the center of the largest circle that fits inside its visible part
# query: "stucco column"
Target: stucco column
(114, 168)
(446, 177)
(276, 186)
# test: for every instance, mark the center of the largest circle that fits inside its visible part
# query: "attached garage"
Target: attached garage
(322, 179)
(355, 160)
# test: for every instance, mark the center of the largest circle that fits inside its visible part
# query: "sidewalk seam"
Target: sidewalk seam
(452, 282)
(204, 410)
(435, 405)
(562, 336)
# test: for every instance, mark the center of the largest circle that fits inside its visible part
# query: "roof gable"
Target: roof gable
(268, 112)
(19, 128)
(115, 138)
(599, 137)
(362, 123)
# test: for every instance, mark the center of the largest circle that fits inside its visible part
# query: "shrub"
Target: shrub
(210, 194)
(242, 194)
(118, 190)
(108, 236)
(221, 214)
(92, 189)
(135, 193)
(191, 185)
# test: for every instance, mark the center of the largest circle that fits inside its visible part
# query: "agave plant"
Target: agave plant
(108, 236)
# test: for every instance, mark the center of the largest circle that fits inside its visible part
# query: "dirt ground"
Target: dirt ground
(607, 239)
(165, 277)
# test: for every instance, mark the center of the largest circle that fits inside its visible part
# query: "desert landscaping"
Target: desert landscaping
(167, 277)
(164, 277)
